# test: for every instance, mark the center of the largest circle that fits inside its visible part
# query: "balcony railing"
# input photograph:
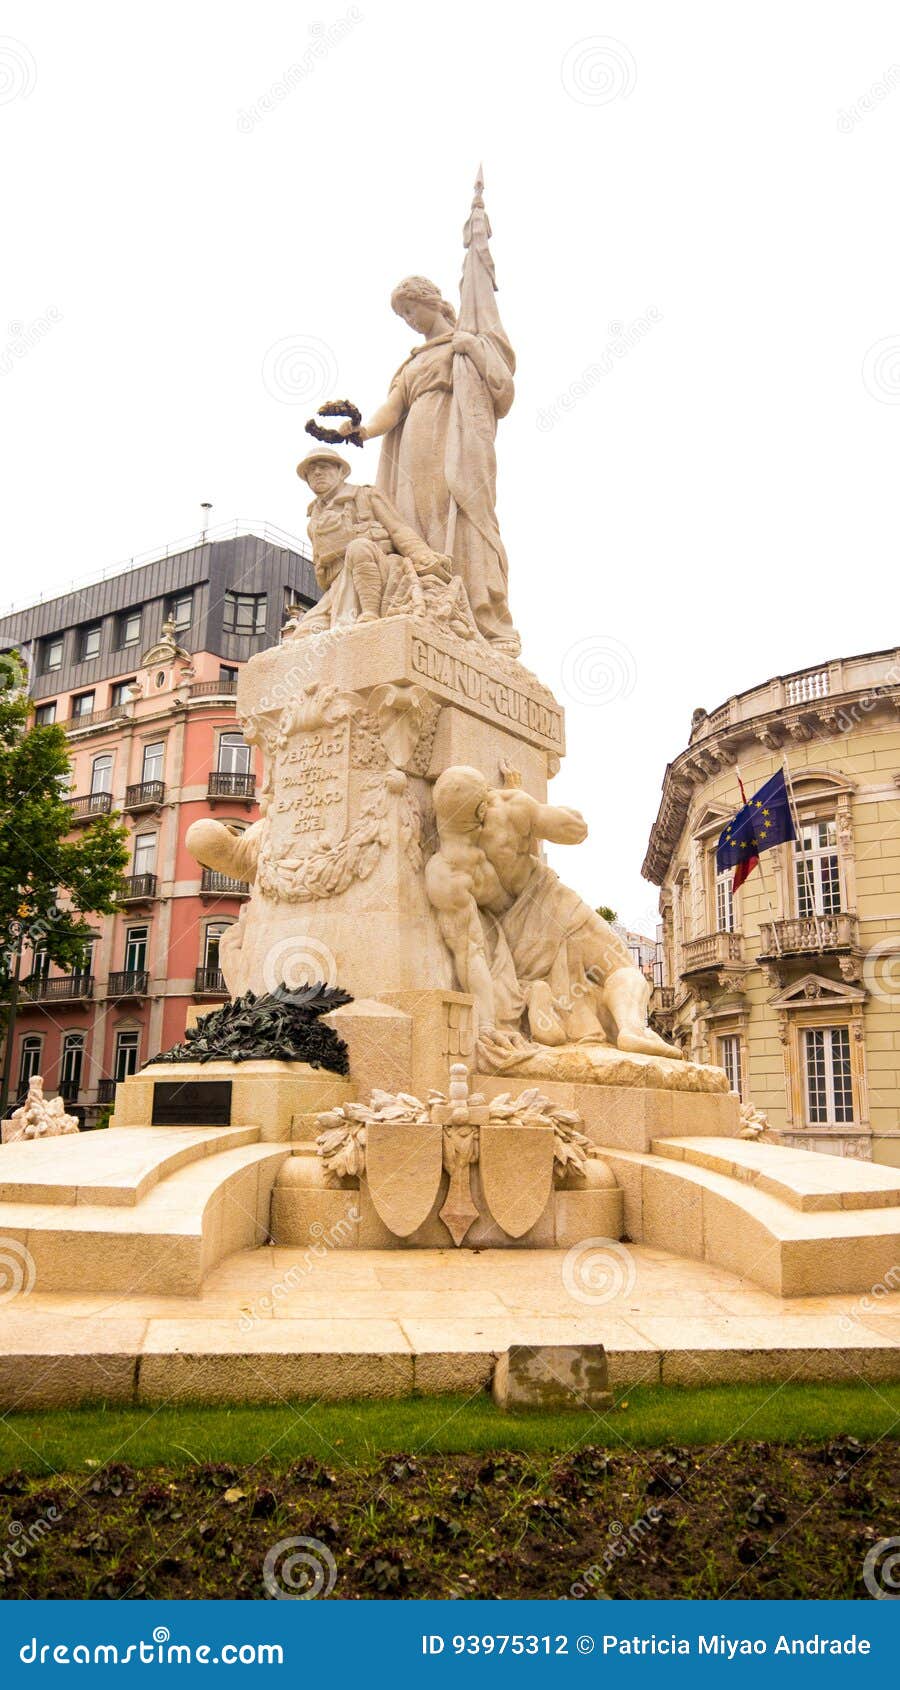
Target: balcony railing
(228, 785)
(68, 1090)
(91, 805)
(64, 988)
(210, 980)
(713, 950)
(145, 795)
(214, 689)
(803, 689)
(807, 935)
(138, 889)
(106, 1091)
(662, 1000)
(95, 718)
(216, 885)
(129, 983)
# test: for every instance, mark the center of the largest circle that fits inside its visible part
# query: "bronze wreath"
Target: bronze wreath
(332, 436)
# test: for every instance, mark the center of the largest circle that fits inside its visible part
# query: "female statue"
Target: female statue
(438, 465)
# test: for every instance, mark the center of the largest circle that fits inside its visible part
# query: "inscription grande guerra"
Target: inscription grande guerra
(501, 698)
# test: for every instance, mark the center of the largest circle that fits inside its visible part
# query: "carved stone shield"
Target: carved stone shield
(516, 1174)
(403, 1169)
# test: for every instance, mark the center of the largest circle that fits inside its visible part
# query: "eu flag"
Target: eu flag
(764, 821)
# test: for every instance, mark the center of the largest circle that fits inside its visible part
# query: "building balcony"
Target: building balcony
(812, 936)
(144, 795)
(210, 982)
(138, 889)
(129, 983)
(68, 1090)
(216, 885)
(228, 785)
(95, 718)
(661, 1009)
(712, 951)
(106, 1092)
(213, 689)
(715, 956)
(63, 988)
(93, 804)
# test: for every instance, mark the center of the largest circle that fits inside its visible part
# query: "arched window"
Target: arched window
(71, 1067)
(234, 755)
(29, 1060)
(101, 773)
(211, 940)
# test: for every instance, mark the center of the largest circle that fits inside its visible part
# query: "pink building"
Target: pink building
(142, 669)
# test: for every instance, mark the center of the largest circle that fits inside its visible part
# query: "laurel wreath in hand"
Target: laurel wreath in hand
(333, 436)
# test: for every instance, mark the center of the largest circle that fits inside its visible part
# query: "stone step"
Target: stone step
(802, 1178)
(107, 1168)
(164, 1244)
(709, 1216)
(274, 1325)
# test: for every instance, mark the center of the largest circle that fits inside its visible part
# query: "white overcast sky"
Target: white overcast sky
(718, 505)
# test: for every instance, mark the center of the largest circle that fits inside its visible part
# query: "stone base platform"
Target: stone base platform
(152, 1209)
(795, 1222)
(287, 1325)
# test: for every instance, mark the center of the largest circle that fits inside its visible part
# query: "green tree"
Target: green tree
(607, 914)
(49, 882)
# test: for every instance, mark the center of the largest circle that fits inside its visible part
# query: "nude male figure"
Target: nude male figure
(574, 972)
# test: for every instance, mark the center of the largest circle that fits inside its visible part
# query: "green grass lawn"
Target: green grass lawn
(65, 1440)
(760, 1492)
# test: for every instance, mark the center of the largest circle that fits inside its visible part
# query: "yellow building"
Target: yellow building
(792, 984)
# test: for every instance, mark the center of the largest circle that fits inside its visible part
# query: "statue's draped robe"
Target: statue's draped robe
(438, 465)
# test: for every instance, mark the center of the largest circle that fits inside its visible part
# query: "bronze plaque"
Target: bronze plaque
(191, 1103)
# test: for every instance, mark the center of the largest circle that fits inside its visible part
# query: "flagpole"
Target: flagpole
(762, 877)
(807, 871)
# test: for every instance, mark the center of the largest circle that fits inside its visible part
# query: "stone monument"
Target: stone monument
(431, 1043)
(407, 754)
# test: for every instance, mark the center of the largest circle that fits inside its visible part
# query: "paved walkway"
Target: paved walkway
(274, 1323)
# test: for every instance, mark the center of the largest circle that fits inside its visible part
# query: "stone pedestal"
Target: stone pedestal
(354, 726)
(280, 1099)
